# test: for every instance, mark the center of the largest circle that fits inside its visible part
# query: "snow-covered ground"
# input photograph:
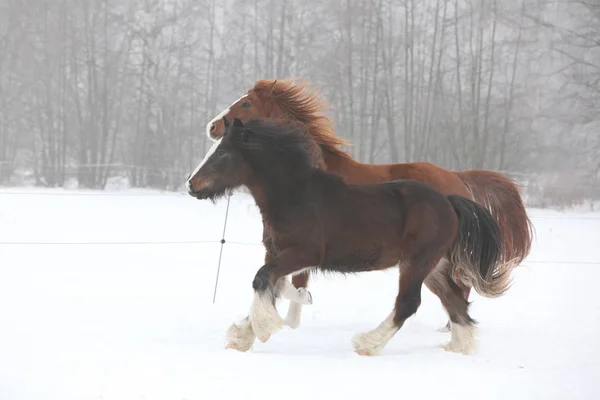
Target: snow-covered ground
(136, 321)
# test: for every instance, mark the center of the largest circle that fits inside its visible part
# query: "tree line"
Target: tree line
(98, 91)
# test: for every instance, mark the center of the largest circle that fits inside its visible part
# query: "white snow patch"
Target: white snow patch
(137, 321)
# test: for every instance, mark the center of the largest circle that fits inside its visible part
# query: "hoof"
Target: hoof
(235, 347)
(363, 346)
(305, 296)
(452, 347)
(263, 329)
(264, 339)
(362, 352)
(240, 337)
(463, 340)
(264, 318)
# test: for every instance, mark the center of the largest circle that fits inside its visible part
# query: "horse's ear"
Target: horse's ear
(237, 123)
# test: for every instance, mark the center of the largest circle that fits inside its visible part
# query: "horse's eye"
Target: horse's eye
(246, 104)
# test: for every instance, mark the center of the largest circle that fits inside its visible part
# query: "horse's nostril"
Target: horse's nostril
(212, 127)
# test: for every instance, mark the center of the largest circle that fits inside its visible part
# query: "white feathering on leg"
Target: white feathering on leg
(292, 318)
(298, 297)
(372, 343)
(289, 292)
(463, 339)
(264, 317)
(240, 336)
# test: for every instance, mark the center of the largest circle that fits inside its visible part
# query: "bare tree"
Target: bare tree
(98, 90)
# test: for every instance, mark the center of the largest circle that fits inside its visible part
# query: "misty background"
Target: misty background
(102, 93)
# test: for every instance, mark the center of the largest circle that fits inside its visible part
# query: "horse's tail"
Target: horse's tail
(501, 196)
(476, 251)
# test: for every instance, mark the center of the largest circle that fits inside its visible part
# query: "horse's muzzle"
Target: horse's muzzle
(200, 195)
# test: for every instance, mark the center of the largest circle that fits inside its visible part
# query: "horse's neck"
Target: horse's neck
(354, 171)
(272, 196)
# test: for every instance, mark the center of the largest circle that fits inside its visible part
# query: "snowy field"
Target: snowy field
(136, 321)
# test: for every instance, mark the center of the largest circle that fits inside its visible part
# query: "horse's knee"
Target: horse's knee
(261, 282)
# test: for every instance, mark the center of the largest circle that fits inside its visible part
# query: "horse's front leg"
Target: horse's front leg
(264, 317)
(240, 336)
(292, 319)
(286, 290)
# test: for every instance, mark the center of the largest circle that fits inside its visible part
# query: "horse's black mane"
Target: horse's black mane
(287, 140)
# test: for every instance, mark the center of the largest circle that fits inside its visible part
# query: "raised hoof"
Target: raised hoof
(264, 318)
(264, 339)
(264, 329)
(305, 296)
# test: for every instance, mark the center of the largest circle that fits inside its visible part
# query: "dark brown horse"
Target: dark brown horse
(315, 220)
(286, 100)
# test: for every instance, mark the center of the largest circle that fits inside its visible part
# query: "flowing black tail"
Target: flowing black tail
(477, 250)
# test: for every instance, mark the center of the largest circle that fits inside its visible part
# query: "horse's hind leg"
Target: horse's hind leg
(407, 302)
(466, 291)
(294, 313)
(452, 296)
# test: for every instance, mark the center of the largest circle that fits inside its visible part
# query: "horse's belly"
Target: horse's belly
(358, 260)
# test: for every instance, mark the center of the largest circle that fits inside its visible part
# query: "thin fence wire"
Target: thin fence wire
(131, 192)
(222, 241)
(143, 242)
(83, 193)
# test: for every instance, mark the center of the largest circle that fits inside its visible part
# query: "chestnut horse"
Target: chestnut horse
(287, 100)
(316, 220)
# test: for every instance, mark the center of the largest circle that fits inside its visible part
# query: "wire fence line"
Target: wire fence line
(111, 243)
(178, 194)
(223, 241)
(83, 193)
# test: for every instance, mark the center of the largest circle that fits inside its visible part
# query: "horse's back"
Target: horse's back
(409, 191)
(441, 179)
